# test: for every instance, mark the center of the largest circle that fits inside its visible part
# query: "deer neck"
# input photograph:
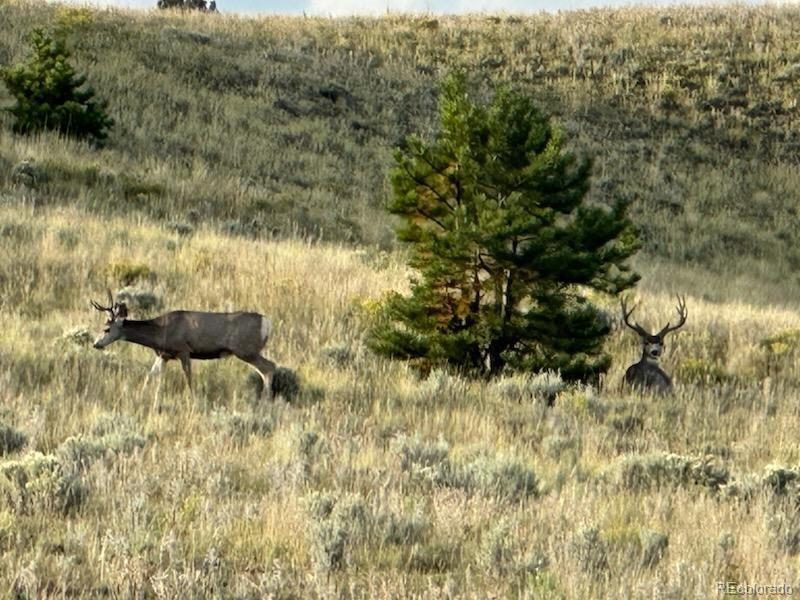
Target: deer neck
(145, 333)
(649, 360)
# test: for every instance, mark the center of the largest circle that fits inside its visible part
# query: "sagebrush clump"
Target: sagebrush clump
(654, 470)
(338, 522)
(40, 482)
(239, 427)
(589, 550)
(526, 387)
(416, 453)
(483, 472)
(139, 300)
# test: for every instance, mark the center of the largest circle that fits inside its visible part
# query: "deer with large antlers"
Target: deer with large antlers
(647, 373)
(185, 335)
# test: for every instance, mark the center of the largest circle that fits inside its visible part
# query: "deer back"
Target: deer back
(239, 333)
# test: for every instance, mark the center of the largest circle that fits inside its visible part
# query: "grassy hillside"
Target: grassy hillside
(276, 126)
(239, 144)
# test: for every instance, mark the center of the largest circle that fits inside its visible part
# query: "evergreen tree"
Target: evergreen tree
(185, 4)
(50, 95)
(505, 244)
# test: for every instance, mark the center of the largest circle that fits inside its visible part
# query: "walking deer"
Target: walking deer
(185, 335)
(647, 373)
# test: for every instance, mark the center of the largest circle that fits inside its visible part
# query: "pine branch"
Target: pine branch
(426, 185)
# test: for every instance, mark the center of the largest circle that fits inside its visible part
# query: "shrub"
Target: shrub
(589, 550)
(403, 530)
(414, 452)
(304, 448)
(18, 232)
(137, 299)
(112, 434)
(79, 452)
(285, 383)
(11, 440)
(492, 476)
(782, 481)
(239, 427)
(339, 520)
(496, 550)
(650, 471)
(74, 19)
(557, 445)
(68, 238)
(626, 424)
(435, 557)
(654, 545)
(110, 423)
(27, 173)
(542, 387)
(181, 228)
(48, 94)
(742, 489)
(784, 530)
(440, 387)
(338, 356)
(698, 370)
(778, 352)
(126, 273)
(328, 544)
(39, 482)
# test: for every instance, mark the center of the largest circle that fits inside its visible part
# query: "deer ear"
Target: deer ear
(122, 310)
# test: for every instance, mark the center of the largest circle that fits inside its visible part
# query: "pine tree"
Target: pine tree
(504, 242)
(185, 4)
(51, 95)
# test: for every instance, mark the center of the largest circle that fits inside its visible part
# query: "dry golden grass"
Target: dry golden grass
(218, 496)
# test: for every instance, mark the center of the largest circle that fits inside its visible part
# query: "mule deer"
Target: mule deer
(647, 373)
(186, 335)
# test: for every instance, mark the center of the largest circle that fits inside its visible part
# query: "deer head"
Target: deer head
(117, 311)
(653, 344)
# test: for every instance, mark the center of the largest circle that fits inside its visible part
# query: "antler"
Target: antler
(682, 313)
(109, 308)
(100, 307)
(627, 313)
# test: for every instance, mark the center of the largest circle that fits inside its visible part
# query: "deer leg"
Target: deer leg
(155, 370)
(265, 368)
(186, 363)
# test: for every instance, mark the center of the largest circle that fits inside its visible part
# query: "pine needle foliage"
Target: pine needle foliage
(51, 95)
(504, 242)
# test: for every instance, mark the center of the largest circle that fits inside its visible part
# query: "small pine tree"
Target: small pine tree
(505, 245)
(49, 96)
